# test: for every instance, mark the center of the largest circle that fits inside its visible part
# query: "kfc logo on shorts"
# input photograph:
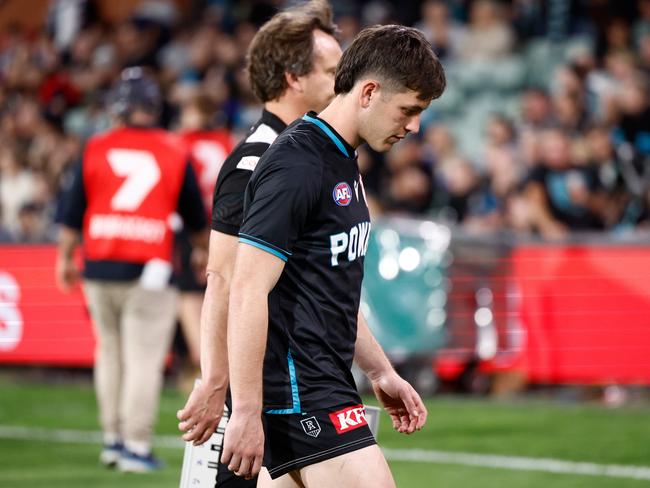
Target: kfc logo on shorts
(349, 418)
(311, 426)
(342, 194)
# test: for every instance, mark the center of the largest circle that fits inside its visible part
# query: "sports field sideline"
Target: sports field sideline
(49, 438)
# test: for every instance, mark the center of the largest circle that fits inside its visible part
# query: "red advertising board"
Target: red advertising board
(586, 313)
(564, 314)
(581, 314)
(39, 324)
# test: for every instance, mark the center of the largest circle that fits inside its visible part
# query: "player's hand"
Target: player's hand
(202, 413)
(401, 401)
(67, 274)
(243, 444)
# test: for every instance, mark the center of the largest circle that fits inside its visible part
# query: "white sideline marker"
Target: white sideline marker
(516, 463)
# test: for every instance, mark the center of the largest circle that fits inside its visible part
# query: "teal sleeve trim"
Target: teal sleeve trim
(329, 133)
(263, 242)
(264, 248)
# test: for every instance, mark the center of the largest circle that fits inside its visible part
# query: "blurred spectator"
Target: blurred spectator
(644, 55)
(490, 206)
(607, 83)
(5, 235)
(641, 27)
(570, 113)
(409, 182)
(634, 122)
(32, 225)
(501, 134)
(574, 64)
(439, 143)
(349, 26)
(66, 18)
(603, 159)
(488, 35)
(535, 109)
(559, 195)
(89, 119)
(615, 38)
(17, 186)
(444, 34)
(456, 183)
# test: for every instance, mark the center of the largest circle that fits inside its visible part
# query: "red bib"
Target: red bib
(209, 149)
(132, 178)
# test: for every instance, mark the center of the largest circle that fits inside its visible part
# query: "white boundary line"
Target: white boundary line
(517, 463)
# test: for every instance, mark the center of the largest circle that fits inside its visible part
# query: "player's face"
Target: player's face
(318, 84)
(390, 117)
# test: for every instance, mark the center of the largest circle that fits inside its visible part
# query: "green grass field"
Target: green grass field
(534, 429)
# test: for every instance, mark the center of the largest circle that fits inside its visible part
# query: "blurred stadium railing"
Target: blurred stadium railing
(446, 306)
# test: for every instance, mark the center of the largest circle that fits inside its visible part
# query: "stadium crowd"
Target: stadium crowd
(544, 128)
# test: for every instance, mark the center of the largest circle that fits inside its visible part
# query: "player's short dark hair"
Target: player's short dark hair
(285, 44)
(400, 56)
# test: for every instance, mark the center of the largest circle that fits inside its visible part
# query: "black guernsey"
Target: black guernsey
(305, 204)
(228, 198)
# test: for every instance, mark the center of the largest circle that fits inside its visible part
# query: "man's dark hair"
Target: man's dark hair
(399, 56)
(286, 44)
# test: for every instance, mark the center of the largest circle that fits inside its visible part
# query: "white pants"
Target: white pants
(134, 328)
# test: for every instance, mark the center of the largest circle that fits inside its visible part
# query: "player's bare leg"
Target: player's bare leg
(357, 469)
(289, 480)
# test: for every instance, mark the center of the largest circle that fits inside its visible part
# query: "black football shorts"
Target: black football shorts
(296, 440)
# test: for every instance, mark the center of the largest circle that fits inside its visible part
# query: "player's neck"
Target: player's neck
(286, 111)
(338, 115)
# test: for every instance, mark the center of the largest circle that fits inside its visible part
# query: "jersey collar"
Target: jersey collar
(345, 148)
(273, 121)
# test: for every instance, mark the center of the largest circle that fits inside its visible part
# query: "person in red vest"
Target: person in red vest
(124, 202)
(209, 148)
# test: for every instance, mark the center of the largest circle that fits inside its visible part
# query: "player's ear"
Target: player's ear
(293, 81)
(368, 92)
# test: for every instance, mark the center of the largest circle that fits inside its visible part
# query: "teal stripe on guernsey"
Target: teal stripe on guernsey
(263, 248)
(329, 133)
(263, 242)
(295, 398)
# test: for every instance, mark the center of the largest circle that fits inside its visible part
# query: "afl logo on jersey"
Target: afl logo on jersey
(342, 194)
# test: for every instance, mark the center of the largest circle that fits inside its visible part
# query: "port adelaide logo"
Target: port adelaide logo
(342, 194)
(311, 426)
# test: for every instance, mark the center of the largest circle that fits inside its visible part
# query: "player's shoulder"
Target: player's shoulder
(247, 153)
(296, 147)
(245, 156)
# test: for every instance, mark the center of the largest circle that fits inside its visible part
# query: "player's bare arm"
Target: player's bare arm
(256, 273)
(397, 396)
(202, 412)
(67, 273)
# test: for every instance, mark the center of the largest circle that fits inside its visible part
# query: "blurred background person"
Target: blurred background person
(209, 146)
(290, 65)
(122, 200)
(17, 186)
(560, 194)
(582, 66)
